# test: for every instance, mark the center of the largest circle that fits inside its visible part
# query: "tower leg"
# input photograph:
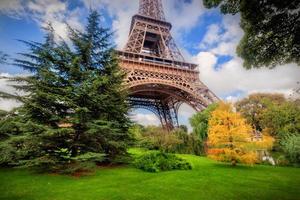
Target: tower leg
(168, 115)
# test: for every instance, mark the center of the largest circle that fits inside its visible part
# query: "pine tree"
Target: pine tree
(75, 105)
(230, 137)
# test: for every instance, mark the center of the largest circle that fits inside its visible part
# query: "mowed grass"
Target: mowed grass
(208, 180)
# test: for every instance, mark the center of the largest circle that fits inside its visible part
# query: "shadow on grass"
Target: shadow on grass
(14, 197)
(229, 166)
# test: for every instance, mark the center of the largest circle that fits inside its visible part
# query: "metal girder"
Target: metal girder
(166, 110)
(150, 33)
(152, 8)
(158, 78)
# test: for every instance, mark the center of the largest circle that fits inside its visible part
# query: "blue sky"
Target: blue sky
(204, 36)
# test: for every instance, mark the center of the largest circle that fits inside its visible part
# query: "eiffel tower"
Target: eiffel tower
(158, 77)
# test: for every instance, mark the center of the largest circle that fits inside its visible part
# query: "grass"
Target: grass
(208, 180)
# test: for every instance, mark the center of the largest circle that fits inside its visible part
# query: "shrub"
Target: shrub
(159, 161)
(177, 141)
(291, 148)
(282, 161)
(190, 143)
(156, 138)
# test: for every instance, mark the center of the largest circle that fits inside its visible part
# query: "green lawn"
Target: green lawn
(207, 181)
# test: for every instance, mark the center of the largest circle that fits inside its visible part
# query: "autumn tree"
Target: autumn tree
(230, 137)
(272, 30)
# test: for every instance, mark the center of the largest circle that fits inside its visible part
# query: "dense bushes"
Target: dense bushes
(159, 161)
(280, 117)
(190, 143)
(291, 148)
(200, 120)
(177, 141)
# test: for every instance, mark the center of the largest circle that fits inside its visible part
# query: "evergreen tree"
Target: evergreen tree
(75, 105)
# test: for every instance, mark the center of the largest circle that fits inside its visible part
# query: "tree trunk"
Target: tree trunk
(233, 162)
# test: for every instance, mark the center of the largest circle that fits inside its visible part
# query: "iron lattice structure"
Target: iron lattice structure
(158, 77)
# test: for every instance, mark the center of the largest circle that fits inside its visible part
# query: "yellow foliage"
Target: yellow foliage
(266, 142)
(229, 137)
(249, 158)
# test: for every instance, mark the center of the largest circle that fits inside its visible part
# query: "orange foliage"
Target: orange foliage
(229, 137)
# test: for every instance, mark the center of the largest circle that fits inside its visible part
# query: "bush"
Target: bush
(159, 161)
(190, 143)
(282, 161)
(177, 141)
(291, 148)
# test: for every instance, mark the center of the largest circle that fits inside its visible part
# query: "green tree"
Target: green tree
(282, 120)
(3, 113)
(75, 105)
(184, 128)
(200, 120)
(291, 148)
(272, 30)
(189, 143)
(176, 141)
(253, 107)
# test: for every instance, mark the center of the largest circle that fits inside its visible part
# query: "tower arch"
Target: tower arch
(158, 77)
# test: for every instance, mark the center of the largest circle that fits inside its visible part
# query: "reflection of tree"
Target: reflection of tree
(3, 57)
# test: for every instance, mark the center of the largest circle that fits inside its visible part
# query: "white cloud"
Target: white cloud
(44, 12)
(145, 119)
(232, 99)
(13, 8)
(232, 77)
(5, 87)
(185, 112)
(225, 48)
(222, 39)
(206, 61)
(8, 105)
(230, 80)
(122, 11)
(212, 36)
(57, 13)
(183, 15)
